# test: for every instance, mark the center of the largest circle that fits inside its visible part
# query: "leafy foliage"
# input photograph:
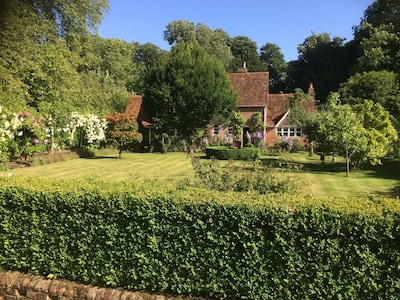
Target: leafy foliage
(244, 50)
(224, 152)
(238, 121)
(321, 60)
(187, 89)
(219, 245)
(123, 132)
(214, 42)
(355, 133)
(379, 86)
(251, 177)
(272, 57)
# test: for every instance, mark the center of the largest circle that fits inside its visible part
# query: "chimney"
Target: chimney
(311, 91)
(243, 69)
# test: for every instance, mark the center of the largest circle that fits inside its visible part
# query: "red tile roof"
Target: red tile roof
(252, 88)
(135, 109)
(277, 106)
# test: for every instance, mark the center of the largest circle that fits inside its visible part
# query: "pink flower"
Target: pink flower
(46, 141)
(36, 141)
(27, 113)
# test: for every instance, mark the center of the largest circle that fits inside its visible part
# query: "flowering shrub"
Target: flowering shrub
(21, 134)
(86, 129)
(8, 127)
(31, 135)
(254, 139)
(286, 143)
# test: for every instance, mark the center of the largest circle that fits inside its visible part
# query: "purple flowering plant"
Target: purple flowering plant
(31, 135)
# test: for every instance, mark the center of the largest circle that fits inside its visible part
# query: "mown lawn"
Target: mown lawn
(330, 178)
(316, 179)
(132, 166)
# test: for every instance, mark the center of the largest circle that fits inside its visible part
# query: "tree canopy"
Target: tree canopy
(186, 89)
(272, 57)
(362, 133)
(321, 60)
(214, 42)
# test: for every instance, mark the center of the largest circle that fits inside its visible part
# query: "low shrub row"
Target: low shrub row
(252, 176)
(224, 152)
(198, 242)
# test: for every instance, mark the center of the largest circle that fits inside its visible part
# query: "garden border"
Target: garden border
(16, 285)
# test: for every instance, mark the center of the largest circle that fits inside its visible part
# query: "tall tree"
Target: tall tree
(214, 42)
(273, 59)
(377, 38)
(186, 89)
(145, 57)
(244, 50)
(180, 31)
(379, 47)
(382, 87)
(323, 61)
(39, 49)
(383, 12)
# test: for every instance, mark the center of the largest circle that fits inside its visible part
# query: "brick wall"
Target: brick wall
(19, 286)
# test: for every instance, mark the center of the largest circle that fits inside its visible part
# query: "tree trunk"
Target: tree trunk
(347, 163)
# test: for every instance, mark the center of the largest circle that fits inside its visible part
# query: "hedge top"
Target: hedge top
(151, 191)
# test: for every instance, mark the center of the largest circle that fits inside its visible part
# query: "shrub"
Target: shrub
(251, 177)
(196, 242)
(223, 152)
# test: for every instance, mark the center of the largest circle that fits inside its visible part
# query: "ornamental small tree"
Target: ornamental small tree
(123, 132)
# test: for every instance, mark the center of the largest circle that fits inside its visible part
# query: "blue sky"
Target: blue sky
(286, 23)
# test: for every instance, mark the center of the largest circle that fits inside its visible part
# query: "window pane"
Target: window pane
(216, 129)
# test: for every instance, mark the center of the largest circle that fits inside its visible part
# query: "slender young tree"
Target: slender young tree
(362, 133)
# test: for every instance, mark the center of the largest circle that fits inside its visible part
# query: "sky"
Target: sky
(286, 23)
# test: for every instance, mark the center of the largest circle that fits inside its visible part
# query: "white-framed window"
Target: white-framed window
(215, 130)
(289, 131)
(173, 132)
(230, 129)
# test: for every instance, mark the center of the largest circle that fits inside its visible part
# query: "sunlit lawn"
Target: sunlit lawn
(330, 178)
(317, 179)
(132, 166)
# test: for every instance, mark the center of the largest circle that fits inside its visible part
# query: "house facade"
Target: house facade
(267, 115)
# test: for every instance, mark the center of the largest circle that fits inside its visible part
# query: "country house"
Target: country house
(267, 114)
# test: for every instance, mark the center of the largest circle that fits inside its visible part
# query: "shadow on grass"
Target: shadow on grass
(101, 157)
(389, 169)
(309, 165)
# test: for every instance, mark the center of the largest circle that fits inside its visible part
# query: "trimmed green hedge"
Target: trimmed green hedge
(197, 242)
(223, 152)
